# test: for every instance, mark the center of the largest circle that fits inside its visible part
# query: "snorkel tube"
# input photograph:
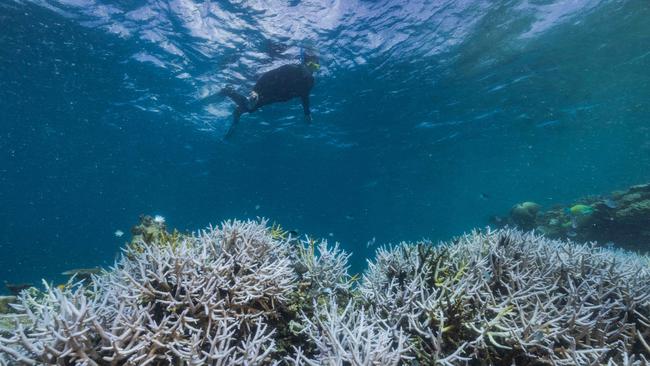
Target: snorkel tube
(309, 59)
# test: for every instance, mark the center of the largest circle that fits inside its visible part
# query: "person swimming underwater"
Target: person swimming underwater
(278, 85)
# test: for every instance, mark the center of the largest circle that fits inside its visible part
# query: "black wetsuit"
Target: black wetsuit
(277, 85)
(285, 83)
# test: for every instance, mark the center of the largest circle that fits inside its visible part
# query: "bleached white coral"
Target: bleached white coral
(324, 267)
(504, 295)
(197, 299)
(244, 294)
(349, 336)
(61, 320)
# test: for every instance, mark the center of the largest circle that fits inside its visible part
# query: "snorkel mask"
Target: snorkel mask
(313, 66)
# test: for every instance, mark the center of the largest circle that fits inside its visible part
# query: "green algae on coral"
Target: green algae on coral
(5, 302)
(151, 231)
(9, 322)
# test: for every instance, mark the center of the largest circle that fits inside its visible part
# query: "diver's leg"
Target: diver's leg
(235, 120)
(240, 100)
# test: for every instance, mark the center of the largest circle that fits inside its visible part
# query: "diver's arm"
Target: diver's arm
(305, 107)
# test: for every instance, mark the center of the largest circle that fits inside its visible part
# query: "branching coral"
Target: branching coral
(203, 299)
(505, 297)
(349, 336)
(246, 294)
(323, 267)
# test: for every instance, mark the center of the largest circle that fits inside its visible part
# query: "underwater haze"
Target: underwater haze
(428, 118)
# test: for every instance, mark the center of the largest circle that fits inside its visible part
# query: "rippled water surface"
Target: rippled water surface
(429, 116)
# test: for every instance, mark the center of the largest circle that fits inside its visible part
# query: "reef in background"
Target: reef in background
(621, 219)
(245, 293)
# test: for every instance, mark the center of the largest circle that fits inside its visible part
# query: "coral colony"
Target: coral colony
(622, 217)
(245, 293)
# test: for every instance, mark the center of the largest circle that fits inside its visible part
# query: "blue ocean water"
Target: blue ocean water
(429, 116)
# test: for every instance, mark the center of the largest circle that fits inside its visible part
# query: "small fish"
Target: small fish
(16, 288)
(371, 242)
(610, 245)
(82, 271)
(580, 209)
(159, 219)
(83, 274)
(119, 233)
(484, 196)
(330, 234)
(571, 233)
(257, 207)
(349, 217)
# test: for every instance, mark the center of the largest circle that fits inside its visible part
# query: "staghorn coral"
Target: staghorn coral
(350, 337)
(206, 299)
(322, 278)
(503, 297)
(323, 269)
(246, 294)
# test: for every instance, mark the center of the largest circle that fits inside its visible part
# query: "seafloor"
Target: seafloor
(246, 293)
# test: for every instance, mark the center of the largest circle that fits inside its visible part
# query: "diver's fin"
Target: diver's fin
(227, 91)
(211, 98)
(235, 120)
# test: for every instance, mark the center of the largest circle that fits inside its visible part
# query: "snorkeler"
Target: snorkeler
(277, 85)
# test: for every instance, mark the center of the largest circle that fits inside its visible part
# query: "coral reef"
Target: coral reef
(524, 214)
(244, 293)
(504, 297)
(622, 218)
(218, 297)
(150, 230)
